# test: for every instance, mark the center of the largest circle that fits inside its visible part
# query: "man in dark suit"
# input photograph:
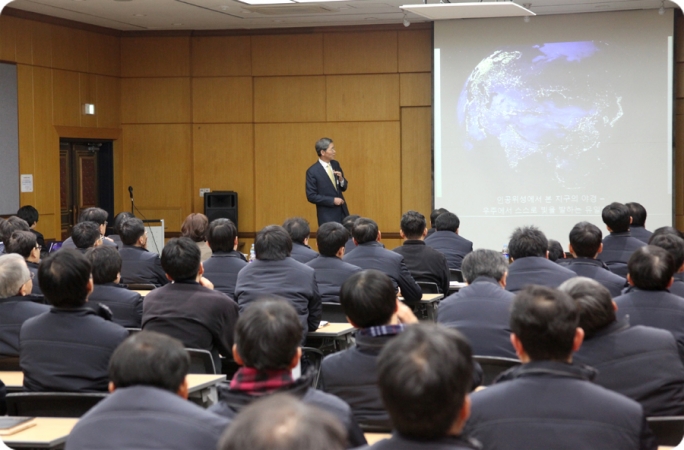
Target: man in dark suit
(9, 226)
(675, 247)
(331, 272)
(481, 310)
(619, 245)
(99, 217)
(325, 184)
(639, 362)
(86, 235)
(139, 266)
(225, 262)
(528, 251)
(348, 223)
(433, 218)
(447, 241)
(25, 243)
(148, 406)
(370, 254)
(637, 228)
(548, 398)
(299, 231)
(31, 216)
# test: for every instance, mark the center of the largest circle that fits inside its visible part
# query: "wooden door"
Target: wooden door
(78, 182)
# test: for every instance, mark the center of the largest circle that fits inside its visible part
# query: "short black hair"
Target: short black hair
(131, 230)
(556, 251)
(22, 243)
(594, 302)
(424, 375)
(527, 241)
(616, 216)
(368, 298)
(447, 221)
(586, 239)
(298, 229)
(181, 259)
(673, 244)
(365, 230)
(348, 222)
(106, 263)
(221, 235)
(119, 219)
(545, 320)
(268, 334)
(195, 227)
(97, 215)
(5, 231)
(17, 224)
(272, 243)
(638, 213)
(148, 358)
(330, 238)
(435, 214)
(651, 268)
(63, 277)
(85, 234)
(413, 224)
(322, 145)
(484, 263)
(29, 214)
(667, 230)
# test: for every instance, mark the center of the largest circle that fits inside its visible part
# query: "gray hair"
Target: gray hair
(484, 263)
(13, 274)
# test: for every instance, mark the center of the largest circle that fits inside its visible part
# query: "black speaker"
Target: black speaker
(221, 205)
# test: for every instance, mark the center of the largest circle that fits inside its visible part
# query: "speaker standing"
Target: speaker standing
(325, 184)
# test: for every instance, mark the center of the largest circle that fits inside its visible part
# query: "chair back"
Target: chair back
(668, 431)
(333, 312)
(314, 358)
(492, 366)
(9, 363)
(428, 287)
(229, 367)
(140, 287)
(456, 275)
(201, 361)
(51, 404)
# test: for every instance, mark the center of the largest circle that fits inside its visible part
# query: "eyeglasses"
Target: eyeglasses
(39, 247)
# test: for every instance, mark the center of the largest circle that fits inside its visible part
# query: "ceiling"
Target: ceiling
(141, 15)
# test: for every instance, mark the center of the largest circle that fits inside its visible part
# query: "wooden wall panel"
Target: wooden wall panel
(155, 57)
(415, 51)
(290, 54)
(24, 33)
(8, 39)
(155, 100)
(415, 89)
(289, 99)
(362, 97)
(66, 98)
(70, 49)
(360, 52)
(416, 160)
(88, 94)
(42, 44)
(221, 56)
(222, 100)
(26, 142)
(108, 103)
(104, 54)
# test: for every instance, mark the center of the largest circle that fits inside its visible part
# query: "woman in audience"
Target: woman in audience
(195, 227)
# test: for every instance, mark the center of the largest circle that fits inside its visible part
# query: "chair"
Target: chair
(141, 287)
(51, 404)
(455, 275)
(333, 312)
(229, 367)
(373, 428)
(201, 361)
(9, 363)
(428, 287)
(314, 358)
(668, 431)
(492, 366)
(132, 331)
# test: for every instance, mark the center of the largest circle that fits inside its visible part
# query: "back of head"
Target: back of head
(435, 214)
(585, 239)
(368, 298)
(119, 219)
(322, 145)
(29, 214)
(13, 274)
(526, 242)
(268, 334)
(63, 277)
(221, 235)
(330, 238)
(106, 263)
(484, 263)
(556, 251)
(616, 217)
(651, 268)
(272, 243)
(149, 359)
(96, 215)
(195, 227)
(298, 229)
(413, 224)
(545, 320)
(365, 230)
(181, 259)
(131, 230)
(667, 230)
(638, 213)
(673, 244)
(424, 375)
(447, 221)
(5, 231)
(282, 422)
(85, 234)
(348, 222)
(21, 243)
(595, 304)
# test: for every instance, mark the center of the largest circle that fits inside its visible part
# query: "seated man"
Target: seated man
(68, 348)
(30, 215)
(585, 245)
(138, 266)
(371, 305)
(126, 306)
(424, 262)
(433, 217)
(86, 235)
(148, 406)
(189, 309)
(619, 245)
(528, 251)
(299, 231)
(639, 362)
(25, 243)
(675, 247)
(225, 262)
(547, 398)
(331, 272)
(424, 379)
(267, 338)
(556, 253)
(637, 228)
(99, 217)
(447, 241)
(370, 254)
(274, 273)
(481, 310)
(118, 220)
(348, 223)
(9, 226)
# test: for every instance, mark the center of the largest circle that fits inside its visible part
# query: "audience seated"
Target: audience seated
(675, 246)
(619, 245)
(126, 306)
(148, 407)
(548, 402)
(67, 348)
(9, 226)
(195, 227)
(556, 252)
(267, 338)
(5, 234)
(25, 243)
(99, 217)
(118, 220)
(30, 215)
(331, 272)
(86, 235)
(189, 309)
(528, 251)
(225, 262)
(433, 217)
(424, 262)
(370, 254)
(481, 310)
(447, 241)
(639, 362)
(299, 231)
(637, 228)
(138, 266)
(274, 273)
(348, 223)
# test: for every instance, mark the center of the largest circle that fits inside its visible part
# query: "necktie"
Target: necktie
(330, 174)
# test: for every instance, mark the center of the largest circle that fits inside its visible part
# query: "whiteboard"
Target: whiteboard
(9, 140)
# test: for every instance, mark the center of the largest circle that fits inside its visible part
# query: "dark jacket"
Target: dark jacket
(553, 405)
(146, 418)
(453, 246)
(425, 263)
(640, 233)
(397, 442)
(321, 192)
(597, 270)
(481, 311)
(69, 243)
(536, 270)
(68, 350)
(331, 272)
(33, 267)
(639, 362)
(677, 287)
(126, 306)
(349, 246)
(14, 311)
(372, 255)
(302, 253)
(222, 269)
(138, 266)
(617, 248)
(117, 240)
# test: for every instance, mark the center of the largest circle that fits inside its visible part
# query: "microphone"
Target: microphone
(130, 192)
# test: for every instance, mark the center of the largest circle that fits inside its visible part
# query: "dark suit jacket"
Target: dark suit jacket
(126, 306)
(640, 233)
(14, 311)
(453, 246)
(617, 248)
(331, 273)
(397, 442)
(222, 269)
(677, 287)
(146, 418)
(138, 266)
(372, 255)
(481, 311)
(302, 253)
(321, 192)
(33, 267)
(597, 270)
(425, 263)
(349, 246)
(536, 270)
